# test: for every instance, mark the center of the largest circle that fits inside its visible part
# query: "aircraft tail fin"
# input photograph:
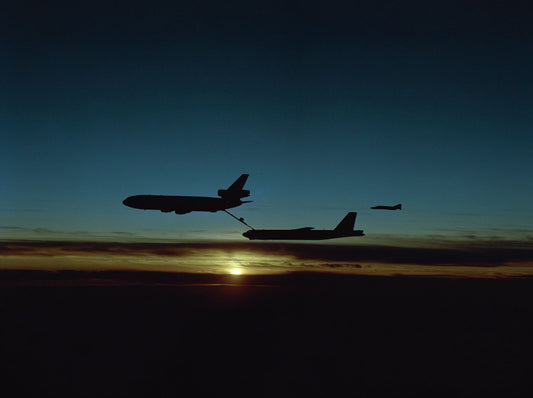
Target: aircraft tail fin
(239, 183)
(347, 223)
(398, 206)
(235, 190)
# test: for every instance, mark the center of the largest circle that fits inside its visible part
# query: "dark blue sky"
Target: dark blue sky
(329, 107)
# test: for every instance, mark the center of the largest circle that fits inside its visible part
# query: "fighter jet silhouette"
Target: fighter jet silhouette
(345, 228)
(397, 207)
(229, 198)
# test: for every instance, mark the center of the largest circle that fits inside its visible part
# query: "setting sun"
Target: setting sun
(236, 271)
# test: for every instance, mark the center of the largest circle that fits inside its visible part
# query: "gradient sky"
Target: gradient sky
(330, 108)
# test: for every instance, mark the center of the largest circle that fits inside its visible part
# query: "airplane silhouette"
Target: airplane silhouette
(397, 207)
(229, 198)
(345, 228)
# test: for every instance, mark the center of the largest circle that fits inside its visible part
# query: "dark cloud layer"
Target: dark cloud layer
(482, 254)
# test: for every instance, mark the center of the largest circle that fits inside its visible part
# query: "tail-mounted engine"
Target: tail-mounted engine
(233, 194)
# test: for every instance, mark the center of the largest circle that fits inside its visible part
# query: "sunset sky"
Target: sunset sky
(330, 108)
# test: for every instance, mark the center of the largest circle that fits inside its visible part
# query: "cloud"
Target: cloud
(44, 231)
(336, 265)
(488, 253)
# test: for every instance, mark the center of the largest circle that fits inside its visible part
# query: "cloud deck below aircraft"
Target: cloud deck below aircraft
(486, 258)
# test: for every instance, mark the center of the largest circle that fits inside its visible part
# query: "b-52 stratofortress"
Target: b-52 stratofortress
(345, 228)
(397, 207)
(228, 198)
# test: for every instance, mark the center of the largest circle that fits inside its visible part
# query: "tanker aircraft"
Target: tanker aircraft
(227, 199)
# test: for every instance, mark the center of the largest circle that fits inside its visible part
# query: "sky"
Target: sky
(330, 107)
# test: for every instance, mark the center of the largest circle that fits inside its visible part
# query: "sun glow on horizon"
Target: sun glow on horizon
(230, 259)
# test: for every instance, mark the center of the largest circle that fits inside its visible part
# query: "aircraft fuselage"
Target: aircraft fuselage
(298, 234)
(397, 207)
(180, 204)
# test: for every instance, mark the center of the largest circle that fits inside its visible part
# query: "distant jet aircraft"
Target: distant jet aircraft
(229, 198)
(397, 207)
(345, 228)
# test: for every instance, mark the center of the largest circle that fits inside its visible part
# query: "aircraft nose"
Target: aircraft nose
(127, 202)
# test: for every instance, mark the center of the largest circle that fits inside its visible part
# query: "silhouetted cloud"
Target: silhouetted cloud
(44, 231)
(335, 265)
(487, 253)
